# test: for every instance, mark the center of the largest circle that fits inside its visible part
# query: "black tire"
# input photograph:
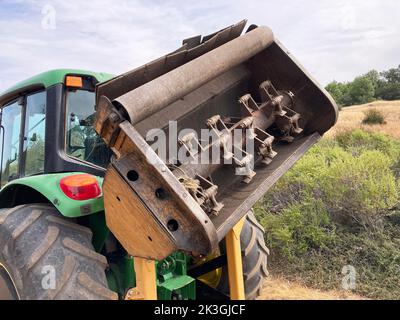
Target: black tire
(254, 259)
(36, 241)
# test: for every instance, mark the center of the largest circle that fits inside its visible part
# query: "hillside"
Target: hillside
(350, 118)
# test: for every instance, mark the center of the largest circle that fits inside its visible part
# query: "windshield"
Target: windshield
(82, 141)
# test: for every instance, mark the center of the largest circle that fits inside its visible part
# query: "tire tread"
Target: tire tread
(34, 236)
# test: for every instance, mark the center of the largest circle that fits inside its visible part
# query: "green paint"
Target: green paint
(49, 186)
(53, 77)
(172, 279)
(97, 223)
(178, 287)
(121, 275)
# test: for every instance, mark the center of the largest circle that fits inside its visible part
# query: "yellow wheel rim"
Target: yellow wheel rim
(212, 278)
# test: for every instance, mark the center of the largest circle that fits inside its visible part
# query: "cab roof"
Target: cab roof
(47, 79)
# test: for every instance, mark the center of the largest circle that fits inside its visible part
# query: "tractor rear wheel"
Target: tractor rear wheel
(254, 259)
(45, 256)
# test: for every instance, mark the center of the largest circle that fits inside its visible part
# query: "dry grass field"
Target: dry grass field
(276, 288)
(351, 118)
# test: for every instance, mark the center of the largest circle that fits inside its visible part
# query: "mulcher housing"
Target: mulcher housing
(222, 82)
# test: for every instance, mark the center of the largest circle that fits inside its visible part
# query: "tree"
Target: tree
(388, 91)
(375, 78)
(389, 88)
(366, 88)
(339, 92)
(334, 89)
(392, 75)
(362, 90)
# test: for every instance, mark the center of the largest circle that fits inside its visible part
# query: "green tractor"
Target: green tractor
(52, 168)
(90, 211)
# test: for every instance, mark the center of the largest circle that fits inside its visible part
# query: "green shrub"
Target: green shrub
(299, 228)
(359, 140)
(373, 116)
(352, 186)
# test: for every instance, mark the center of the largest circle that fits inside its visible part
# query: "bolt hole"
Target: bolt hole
(161, 193)
(132, 175)
(206, 221)
(150, 238)
(172, 225)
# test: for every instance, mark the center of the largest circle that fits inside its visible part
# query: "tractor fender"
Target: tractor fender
(44, 187)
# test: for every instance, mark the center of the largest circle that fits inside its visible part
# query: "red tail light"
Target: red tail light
(80, 187)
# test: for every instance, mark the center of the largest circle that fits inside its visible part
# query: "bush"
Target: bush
(299, 228)
(353, 183)
(361, 140)
(332, 209)
(373, 116)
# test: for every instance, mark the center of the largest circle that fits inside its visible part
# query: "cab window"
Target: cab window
(10, 132)
(82, 141)
(34, 137)
(29, 111)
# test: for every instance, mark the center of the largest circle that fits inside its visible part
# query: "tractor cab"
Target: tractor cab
(46, 126)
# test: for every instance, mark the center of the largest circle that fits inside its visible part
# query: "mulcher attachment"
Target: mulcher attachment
(233, 113)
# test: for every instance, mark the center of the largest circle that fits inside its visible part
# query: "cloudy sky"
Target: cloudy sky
(335, 39)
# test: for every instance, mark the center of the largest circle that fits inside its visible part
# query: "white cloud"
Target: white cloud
(333, 39)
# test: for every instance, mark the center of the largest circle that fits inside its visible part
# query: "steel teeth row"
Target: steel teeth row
(273, 114)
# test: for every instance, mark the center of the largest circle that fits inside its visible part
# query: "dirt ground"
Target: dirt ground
(276, 288)
(351, 118)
